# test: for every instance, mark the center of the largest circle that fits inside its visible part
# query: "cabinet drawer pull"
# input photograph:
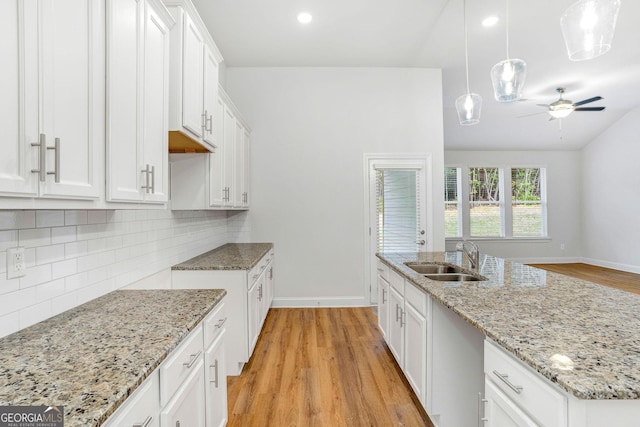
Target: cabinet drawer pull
(221, 322)
(194, 358)
(403, 318)
(384, 292)
(42, 157)
(56, 149)
(381, 270)
(481, 410)
(505, 379)
(145, 423)
(215, 378)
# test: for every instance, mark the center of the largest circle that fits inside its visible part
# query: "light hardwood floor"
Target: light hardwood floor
(322, 367)
(623, 280)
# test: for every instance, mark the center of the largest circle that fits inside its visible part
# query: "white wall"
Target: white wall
(75, 256)
(611, 196)
(310, 130)
(563, 203)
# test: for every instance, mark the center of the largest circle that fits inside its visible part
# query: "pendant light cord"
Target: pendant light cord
(466, 47)
(506, 25)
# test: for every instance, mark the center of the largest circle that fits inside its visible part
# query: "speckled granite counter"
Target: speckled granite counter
(90, 358)
(232, 256)
(535, 314)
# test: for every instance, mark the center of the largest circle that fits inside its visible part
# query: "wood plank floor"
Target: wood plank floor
(623, 280)
(322, 367)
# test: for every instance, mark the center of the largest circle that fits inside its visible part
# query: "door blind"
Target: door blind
(398, 210)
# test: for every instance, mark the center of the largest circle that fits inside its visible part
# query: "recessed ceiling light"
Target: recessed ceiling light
(490, 21)
(304, 17)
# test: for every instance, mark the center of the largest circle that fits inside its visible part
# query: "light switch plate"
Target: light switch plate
(15, 262)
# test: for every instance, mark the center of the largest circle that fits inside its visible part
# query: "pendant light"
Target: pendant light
(468, 105)
(588, 27)
(508, 76)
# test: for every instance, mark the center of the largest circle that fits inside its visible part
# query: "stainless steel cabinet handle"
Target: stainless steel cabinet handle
(397, 313)
(481, 418)
(215, 377)
(210, 122)
(260, 293)
(271, 273)
(145, 423)
(221, 322)
(153, 180)
(381, 270)
(56, 161)
(384, 292)
(204, 121)
(403, 318)
(146, 172)
(42, 157)
(194, 359)
(505, 379)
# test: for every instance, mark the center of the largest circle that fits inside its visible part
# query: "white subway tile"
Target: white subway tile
(8, 220)
(49, 290)
(63, 234)
(30, 257)
(96, 245)
(75, 282)
(8, 285)
(97, 275)
(26, 219)
(64, 268)
(35, 313)
(49, 254)
(17, 300)
(96, 217)
(75, 249)
(33, 237)
(49, 219)
(75, 217)
(35, 276)
(9, 324)
(8, 239)
(3, 265)
(63, 303)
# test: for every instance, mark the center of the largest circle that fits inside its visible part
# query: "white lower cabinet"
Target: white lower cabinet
(395, 338)
(500, 411)
(189, 388)
(254, 313)
(415, 349)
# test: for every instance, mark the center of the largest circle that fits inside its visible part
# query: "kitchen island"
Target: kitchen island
(91, 358)
(580, 336)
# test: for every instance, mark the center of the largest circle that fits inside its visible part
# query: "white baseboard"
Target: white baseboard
(546, 260)
(613, 265)
(320, 302)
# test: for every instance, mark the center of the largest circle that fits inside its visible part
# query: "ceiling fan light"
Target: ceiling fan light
(560, 113)
(588, 27)
(468, 107)
(508, 78)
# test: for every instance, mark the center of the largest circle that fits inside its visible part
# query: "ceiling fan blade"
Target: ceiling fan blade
(532, 114)
(543, 105)
(586, 101)
(589, 109)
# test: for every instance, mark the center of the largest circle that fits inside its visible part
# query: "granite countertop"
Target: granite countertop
(91, 358)
(232, 256)
(538, 316)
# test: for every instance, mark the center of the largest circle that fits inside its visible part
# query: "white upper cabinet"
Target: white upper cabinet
(194, 81)
(53, 99)
(137, 100)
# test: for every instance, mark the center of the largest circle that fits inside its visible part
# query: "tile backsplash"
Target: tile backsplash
(75, 256)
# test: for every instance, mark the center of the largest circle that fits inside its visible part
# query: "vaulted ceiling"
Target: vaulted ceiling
(429, 33)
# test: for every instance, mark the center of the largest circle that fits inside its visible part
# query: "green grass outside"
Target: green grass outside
(485, 221)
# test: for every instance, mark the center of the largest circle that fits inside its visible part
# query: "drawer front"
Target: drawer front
(214, 323)
(180, 364)
(383, 269)
(534, 396)
(141, 408)
(397, 281)
(416, 298)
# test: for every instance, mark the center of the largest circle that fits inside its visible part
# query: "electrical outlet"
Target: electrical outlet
(15, 262)
(562, 246)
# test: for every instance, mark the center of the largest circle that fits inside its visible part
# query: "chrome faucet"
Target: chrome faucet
(473, 254)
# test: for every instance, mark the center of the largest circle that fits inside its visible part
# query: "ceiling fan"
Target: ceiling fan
(563, 107)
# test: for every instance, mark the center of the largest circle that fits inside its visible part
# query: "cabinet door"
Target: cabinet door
(192, 78)
(155, 106)
(142, 406)
(396, 330)
(415, 351)
(239, 165)
(210, 96)
(124, 83)
(383, 306)
(72, 96)
(216, 160)
(216, 384)
(500, 411)
(229, 155)
(187, 407)
(253, 316)
(19, 100)
(246, 167)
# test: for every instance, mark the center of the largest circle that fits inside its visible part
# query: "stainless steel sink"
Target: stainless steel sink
(454, 277)
(430, 268)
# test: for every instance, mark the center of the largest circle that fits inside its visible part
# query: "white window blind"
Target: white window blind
(452, 207)
(398, 209)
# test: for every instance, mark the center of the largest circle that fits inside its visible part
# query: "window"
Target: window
(495, 202)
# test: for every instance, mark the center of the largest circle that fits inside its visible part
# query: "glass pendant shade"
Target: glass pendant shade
(588, 27)
(508, 79)
(468, 107)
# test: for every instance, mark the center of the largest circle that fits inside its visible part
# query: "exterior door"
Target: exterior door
(397, 211)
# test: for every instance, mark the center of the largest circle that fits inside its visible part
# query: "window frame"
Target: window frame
(506, 198)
